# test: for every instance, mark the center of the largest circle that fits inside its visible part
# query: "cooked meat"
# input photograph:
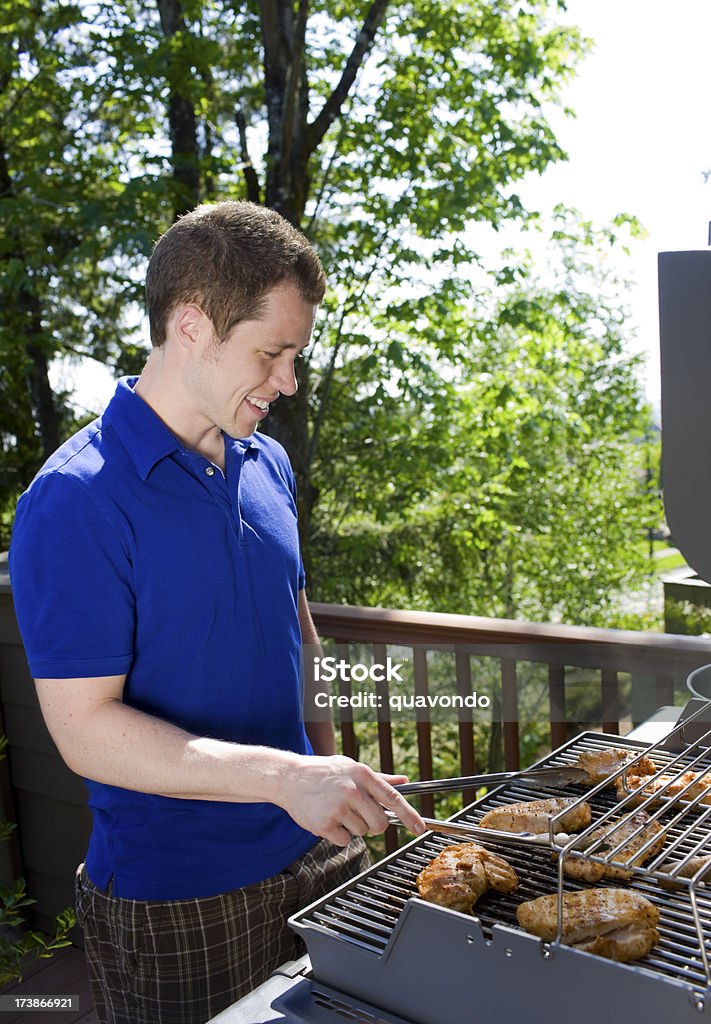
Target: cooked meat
(533, 816)
(624, 945)
(460, 874)
(619, 924)
(589, 871)
(648, 787)
(689, 869)
(601, 764)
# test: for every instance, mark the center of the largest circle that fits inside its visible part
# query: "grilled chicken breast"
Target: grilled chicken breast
(624, 944)
(601, 764)
(690, 868)
(644, 786)
(460, 874)
(619, 924)
(534, 815)
(585, 870)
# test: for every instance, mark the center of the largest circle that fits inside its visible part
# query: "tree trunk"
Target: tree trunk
(42, 397)
(293, 140)
(28, 314)
(286, 88)
(181, 120)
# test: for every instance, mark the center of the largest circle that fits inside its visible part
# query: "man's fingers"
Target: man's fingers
(338, 835)
(356, 823)
(396, 802)
(371, 811)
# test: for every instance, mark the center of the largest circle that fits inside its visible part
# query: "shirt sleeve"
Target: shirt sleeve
(72, 583)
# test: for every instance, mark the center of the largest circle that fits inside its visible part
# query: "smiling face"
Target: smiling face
(233, 382)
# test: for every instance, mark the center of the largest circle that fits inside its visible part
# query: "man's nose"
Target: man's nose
(284, 379)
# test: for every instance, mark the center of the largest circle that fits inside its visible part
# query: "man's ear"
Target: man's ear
(191, 327)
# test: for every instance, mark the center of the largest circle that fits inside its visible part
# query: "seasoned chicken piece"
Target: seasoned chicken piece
(646, 787)
(533, 816)
(689, 869)
(460, 874)
(623, 945)
(619, 924)
(589, 871)
(601, 764)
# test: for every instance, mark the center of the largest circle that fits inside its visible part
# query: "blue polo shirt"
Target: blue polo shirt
(133, 554)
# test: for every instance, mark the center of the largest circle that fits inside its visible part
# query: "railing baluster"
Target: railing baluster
(610, 702)
(424, 727)
(385, 736)
(556, 697)
(509, 714)
(466, 722)
(348, 737)
(665, 691)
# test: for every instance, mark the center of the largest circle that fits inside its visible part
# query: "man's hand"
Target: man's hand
(337, 798)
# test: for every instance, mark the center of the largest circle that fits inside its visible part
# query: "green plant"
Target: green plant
(687, 618)
(16, 942)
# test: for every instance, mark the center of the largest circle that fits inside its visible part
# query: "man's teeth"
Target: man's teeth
(260, 403)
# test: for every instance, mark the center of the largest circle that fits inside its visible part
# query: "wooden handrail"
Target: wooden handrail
(658, 654)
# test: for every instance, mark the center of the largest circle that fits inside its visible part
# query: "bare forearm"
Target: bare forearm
(333, 797)
(121, 746)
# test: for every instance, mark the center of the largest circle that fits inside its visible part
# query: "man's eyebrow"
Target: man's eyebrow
(292, 344)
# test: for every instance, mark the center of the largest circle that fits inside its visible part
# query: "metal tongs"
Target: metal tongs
(560, 775)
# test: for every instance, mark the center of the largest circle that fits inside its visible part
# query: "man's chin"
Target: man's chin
(245, 428)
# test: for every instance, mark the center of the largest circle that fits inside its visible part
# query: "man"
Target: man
(160, 593)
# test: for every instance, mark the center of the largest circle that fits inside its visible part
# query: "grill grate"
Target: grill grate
(365, 912)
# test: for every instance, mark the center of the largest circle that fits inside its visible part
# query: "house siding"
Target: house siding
(38, 792)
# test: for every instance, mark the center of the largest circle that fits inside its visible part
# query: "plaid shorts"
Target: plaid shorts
(183, 961)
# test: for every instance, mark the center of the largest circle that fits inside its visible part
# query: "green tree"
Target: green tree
(394, 136)
(147, 107)
(512, 484)
(66, 268)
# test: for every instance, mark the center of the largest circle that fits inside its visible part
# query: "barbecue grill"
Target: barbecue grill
(375, 940)
(378, 954)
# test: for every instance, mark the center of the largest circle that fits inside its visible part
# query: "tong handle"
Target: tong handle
(449, 828)
(473, 832)
(548, 775)
(464, 782)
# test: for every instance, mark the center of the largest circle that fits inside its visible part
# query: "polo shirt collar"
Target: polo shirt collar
(143, 433)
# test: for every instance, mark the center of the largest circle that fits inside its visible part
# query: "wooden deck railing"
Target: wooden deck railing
(658, 664)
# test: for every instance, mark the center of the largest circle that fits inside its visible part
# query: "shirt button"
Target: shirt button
(209, 470)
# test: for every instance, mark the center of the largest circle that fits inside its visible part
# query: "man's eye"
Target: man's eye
(272, 355)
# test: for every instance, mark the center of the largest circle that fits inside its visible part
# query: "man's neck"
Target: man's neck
(161, 388)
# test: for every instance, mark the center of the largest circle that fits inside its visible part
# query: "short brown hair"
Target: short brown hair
(225, 257)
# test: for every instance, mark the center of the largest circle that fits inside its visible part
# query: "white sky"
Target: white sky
(640, 140)
(639, 144)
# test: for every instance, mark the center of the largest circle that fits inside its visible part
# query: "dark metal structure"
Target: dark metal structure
(685, 336)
